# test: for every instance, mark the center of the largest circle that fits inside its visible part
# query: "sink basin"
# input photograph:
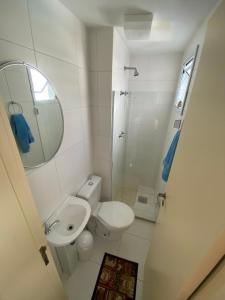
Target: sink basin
(73, 216)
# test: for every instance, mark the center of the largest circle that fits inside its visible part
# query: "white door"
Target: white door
(213, 288)
(189, 237)
(24, 273)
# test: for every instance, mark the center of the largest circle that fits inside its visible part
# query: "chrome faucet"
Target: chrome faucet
(48, 227)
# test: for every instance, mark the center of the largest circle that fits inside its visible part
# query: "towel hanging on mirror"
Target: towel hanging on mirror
(22, 132)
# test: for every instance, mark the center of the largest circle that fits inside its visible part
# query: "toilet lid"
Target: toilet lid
(116, 214)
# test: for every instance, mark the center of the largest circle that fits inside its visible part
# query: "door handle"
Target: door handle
(161, 197)
(44, 255)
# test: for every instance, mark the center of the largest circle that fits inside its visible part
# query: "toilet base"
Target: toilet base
(106, 234)
(96, 228)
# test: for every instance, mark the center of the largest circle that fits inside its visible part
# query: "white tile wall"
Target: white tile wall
(103, 168)
(64, 76)
(81, 36)
(12, 51)
(121, 58)
(104, 88)
(92, 49)
(156, 67)
(47, 35)
(153, 85)
(45, 187)
(73, 133)
(102, 148)
(157, 72)
(107, 54)
(104, 49)
(100, 48)
(121, 55)
(94, 92)
(14, 22)
(86, 123)
(53, 29)
(83, 82)
(100, 42)
(71, 169)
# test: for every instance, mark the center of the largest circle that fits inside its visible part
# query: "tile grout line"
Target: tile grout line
(31, 31)
(17, 44)
(62, 60)
(44, 53)
(138, 236)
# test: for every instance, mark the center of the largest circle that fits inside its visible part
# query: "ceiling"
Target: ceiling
(174, 21)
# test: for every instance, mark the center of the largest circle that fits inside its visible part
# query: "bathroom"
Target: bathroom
(118, 79)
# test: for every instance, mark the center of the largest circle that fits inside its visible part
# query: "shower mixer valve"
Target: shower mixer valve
(125, 93)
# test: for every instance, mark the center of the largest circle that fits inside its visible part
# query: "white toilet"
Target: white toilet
(109, 219)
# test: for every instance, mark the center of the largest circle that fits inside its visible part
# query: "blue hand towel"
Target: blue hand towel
(168, 160)
(22, 132)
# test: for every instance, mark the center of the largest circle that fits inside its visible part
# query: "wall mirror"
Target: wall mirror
(34, 112)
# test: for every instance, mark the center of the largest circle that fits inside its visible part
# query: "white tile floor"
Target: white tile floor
(134, 246)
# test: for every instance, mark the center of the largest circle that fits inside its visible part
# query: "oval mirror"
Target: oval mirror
(34, 112)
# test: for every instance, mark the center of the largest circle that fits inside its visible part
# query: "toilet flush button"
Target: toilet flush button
(90, 183)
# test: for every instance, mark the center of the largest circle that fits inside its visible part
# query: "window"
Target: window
(42, 90)
(185, 78)
(184, 83)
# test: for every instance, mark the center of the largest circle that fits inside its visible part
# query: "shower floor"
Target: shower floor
(145, 204)
(142, 200)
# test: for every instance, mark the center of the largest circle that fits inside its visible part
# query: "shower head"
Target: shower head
(136, 73)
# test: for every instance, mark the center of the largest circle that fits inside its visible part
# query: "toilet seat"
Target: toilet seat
(115, 215)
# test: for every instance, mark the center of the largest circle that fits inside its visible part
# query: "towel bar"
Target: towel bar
(14, 103)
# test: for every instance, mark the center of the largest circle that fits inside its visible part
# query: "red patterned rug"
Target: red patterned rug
(117, 279)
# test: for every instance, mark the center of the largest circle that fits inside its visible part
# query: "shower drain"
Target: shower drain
(70, 227)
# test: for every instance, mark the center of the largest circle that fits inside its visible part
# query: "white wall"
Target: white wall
(48, 36)
(107, 56)
(197, 39)
(152, 95)
(100, 44)
(121, 58)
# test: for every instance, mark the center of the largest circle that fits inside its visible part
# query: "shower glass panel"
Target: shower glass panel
(120, 127)
(140, 123)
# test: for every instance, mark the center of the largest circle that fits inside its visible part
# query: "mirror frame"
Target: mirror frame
(4, 65)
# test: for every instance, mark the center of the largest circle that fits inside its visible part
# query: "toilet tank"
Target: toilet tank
(91, 190)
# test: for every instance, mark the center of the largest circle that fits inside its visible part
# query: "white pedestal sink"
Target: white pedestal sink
(73, 216)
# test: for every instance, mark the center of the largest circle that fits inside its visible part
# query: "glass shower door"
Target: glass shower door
(140, 123)
(120, 114)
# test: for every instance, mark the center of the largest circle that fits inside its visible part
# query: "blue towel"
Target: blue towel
(22, 132)
(168, 160)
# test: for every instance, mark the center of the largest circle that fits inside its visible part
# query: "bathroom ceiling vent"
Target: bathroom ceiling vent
(138, 26)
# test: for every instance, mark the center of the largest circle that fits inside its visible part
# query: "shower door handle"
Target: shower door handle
(161, 197)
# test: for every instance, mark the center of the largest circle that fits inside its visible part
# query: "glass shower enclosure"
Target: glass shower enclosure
(140, 123)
